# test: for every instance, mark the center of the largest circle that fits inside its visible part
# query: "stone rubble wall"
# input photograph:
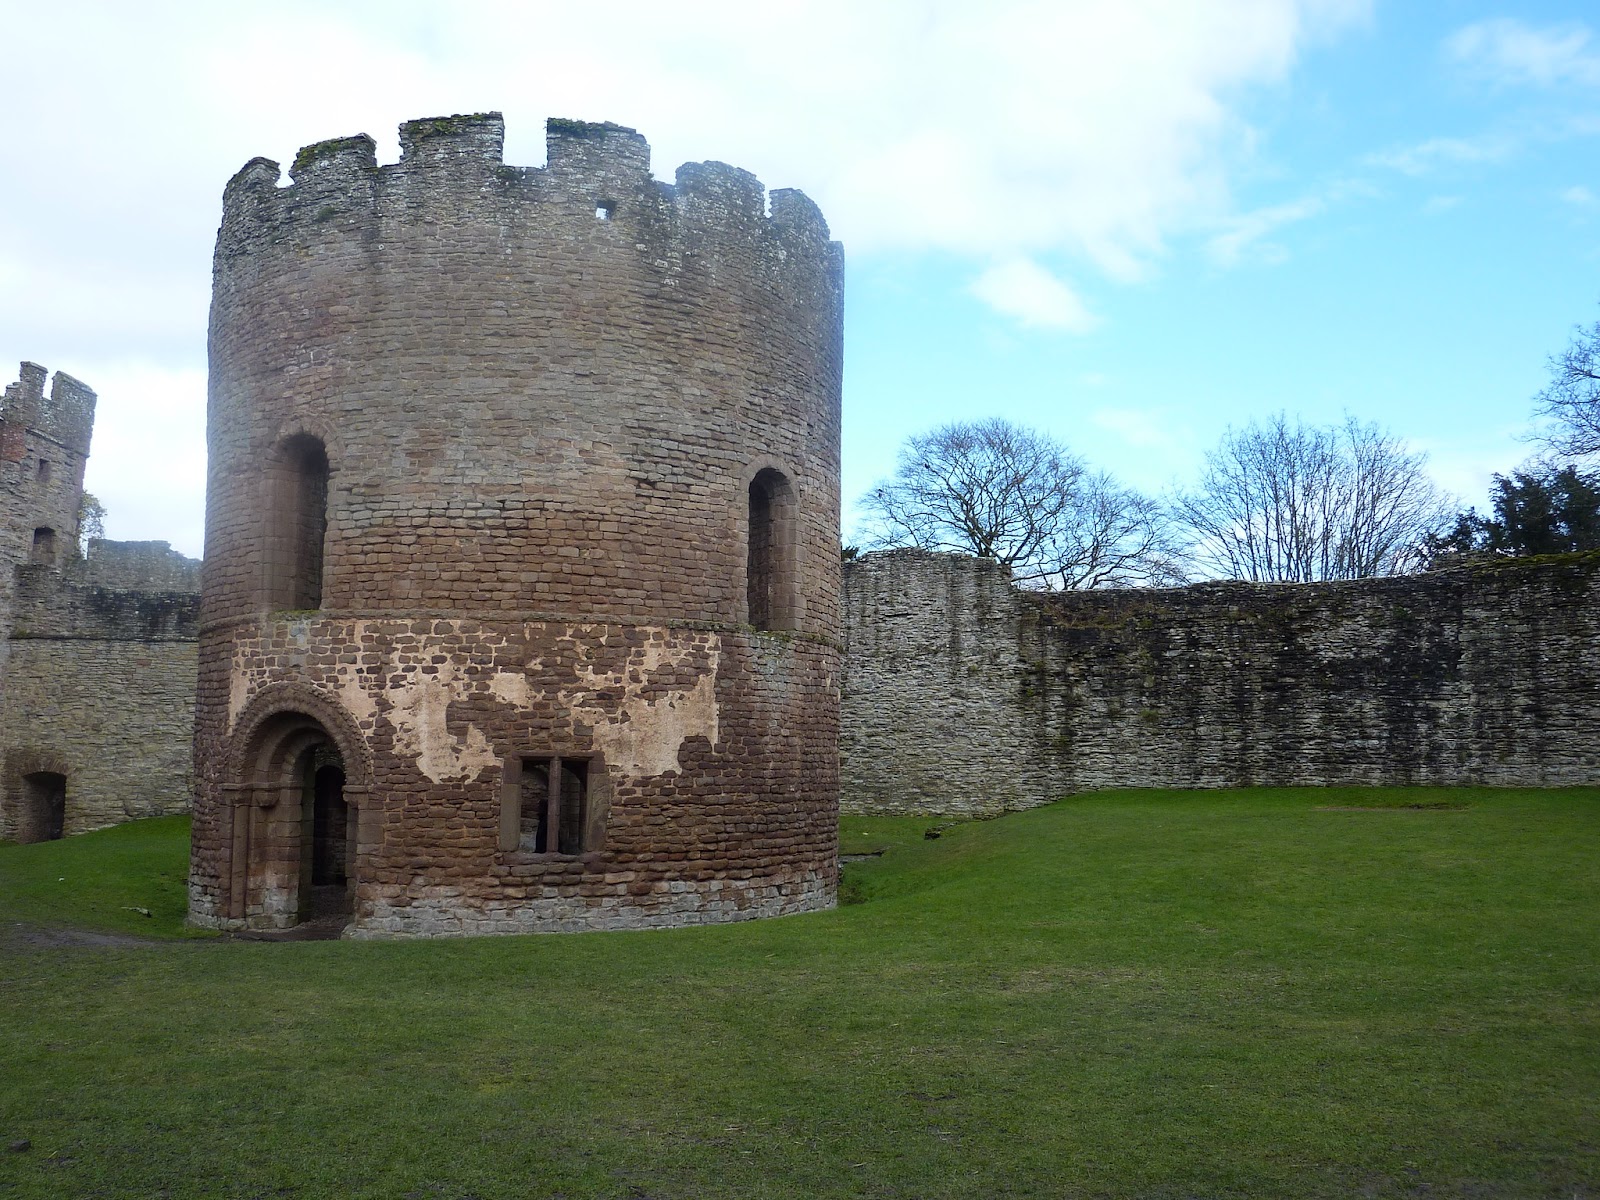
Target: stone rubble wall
(548, 401)
(97, 654)
(717, 806)
(114, 717)
(964, 694)
(100, 685)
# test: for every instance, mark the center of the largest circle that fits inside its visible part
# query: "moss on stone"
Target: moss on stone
(317, 151)
(446, 126)
(567, 127)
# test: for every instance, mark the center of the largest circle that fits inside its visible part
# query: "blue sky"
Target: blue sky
(1128, 223)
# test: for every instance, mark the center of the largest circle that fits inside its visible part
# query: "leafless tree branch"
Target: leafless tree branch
(1572, 398)
(1298, 503)
(994, 489)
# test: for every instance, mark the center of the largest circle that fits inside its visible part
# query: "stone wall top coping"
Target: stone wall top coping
(1456, 572)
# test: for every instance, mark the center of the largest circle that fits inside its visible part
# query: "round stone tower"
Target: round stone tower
(521, 592)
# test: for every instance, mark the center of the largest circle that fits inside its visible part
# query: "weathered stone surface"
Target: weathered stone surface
(97, 654)
(540, 400)
(964, 694)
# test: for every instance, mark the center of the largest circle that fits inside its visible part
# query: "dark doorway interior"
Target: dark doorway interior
(330, 829)
(44, 806)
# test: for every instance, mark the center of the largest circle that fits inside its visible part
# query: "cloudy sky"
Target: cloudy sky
(1127, 222)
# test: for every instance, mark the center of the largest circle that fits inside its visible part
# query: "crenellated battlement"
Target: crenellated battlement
(455, 165)
(65, 414)
(477, 139)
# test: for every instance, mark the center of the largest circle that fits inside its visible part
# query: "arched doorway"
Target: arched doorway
(293, 857)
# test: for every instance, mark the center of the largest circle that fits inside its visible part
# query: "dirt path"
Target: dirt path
(24, 935)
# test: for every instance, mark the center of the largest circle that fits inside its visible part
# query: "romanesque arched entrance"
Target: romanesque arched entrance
(294, 829)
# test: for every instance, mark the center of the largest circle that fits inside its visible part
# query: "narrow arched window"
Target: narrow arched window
(44, 546)
(770, 581)
(296, 523)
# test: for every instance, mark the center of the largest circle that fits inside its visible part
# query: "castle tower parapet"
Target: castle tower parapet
(596, 170)
(44, 446)
(64, 415)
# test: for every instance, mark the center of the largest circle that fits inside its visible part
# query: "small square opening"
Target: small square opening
(604, 210)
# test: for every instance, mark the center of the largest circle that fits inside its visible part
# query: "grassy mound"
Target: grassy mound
(1302, 993)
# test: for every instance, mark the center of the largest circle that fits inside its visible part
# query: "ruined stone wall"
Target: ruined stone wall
(931, 718)
(44, 445)
(544, 397)
(97, 654)
(99, 687)
(1486, 674)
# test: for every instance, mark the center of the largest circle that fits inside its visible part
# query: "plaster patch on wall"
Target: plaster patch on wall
(640, 735)
(248, 675)
(419, 709)
(512, 687)
(353, 694)
(240, 685)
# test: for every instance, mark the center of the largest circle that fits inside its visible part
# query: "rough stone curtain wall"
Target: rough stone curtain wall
(100, 686)
(115, 717)
(97, 654)
(964, 694)
(525, 411)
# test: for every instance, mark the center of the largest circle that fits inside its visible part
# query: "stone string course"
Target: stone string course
(964, 694)
(543, 394)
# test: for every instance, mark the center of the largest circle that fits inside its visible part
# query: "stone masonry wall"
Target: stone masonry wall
(513, 464)
(97, 653)
(711, 787)
(100, 686)
(964, 694)
(931, 719)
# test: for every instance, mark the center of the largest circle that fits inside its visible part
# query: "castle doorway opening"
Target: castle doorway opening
(325, 848)
(330, 829)
(44, 807)
(293, 829)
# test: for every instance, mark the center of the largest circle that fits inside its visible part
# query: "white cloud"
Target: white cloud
(1143, 429)
(1580, 197)
(1022, 289)
(1088, 132)
(1511, 52)
(1092, 127)
(1434, 205)
(1246, 233)
(1424, 158)
(1465, 462)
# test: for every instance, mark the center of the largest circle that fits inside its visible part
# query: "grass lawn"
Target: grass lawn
(1153, 994)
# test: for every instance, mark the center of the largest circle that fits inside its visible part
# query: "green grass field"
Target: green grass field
(1153, 994)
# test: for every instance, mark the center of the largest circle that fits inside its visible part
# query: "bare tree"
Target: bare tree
(1113, 537)
(1572, 397)
(1304, 503)
(1000, 491)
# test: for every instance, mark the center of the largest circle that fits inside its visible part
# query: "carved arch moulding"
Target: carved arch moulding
(292, 698)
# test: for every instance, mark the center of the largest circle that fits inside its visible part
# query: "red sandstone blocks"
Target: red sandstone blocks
(537, 480)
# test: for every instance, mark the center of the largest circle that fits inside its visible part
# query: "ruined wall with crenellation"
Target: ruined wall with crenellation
(964, 694)
(97, 652)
